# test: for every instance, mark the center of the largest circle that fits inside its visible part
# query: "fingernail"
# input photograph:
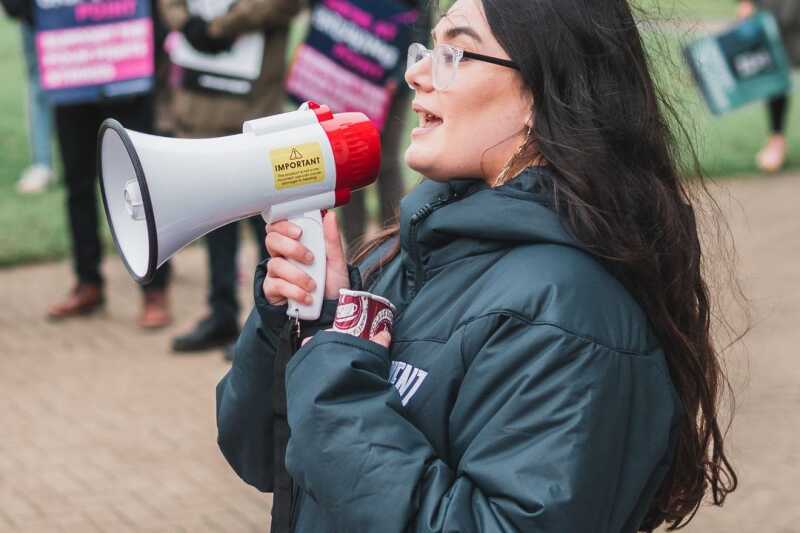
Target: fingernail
(311, 285)
(309, 257)
(295, 232)
(308, 299)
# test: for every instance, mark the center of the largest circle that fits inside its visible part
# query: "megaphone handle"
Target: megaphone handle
(313, 239)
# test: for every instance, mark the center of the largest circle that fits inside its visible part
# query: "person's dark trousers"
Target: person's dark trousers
(77, 127)
(390, 180)
(223, 247)
(778, 108)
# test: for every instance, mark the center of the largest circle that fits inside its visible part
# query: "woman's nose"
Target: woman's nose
(419, 76)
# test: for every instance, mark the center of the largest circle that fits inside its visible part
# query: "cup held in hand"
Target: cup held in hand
(363, 314)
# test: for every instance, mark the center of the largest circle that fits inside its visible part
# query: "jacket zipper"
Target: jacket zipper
(416, 219)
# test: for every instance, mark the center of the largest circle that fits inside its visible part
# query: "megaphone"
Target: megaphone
(160, 194)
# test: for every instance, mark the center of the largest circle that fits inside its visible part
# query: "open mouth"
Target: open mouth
(428, 120)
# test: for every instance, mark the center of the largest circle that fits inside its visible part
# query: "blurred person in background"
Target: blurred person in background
(787, 12)
(40, 173)
(77, 126)
(390, 186)
(156, 311)
(164, 119)
(202, 113)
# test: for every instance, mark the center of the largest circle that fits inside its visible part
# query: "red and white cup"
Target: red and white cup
(362, 314)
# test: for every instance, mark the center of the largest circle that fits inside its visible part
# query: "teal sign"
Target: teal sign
(743, 64)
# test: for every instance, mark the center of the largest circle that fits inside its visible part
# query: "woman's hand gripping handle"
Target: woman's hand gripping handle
(306, 265)
(313, 239)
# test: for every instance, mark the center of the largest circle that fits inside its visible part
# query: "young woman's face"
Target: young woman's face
(472, 127)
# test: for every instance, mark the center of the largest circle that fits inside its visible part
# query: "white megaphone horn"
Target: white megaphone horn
(160, 194)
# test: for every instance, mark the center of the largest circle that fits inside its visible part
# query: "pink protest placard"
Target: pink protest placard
(353, 56)
(93, 50)
(316, 77)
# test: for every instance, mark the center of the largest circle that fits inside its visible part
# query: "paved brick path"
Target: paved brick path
(102, 429)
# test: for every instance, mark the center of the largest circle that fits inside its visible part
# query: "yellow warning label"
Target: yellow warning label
(298, 165)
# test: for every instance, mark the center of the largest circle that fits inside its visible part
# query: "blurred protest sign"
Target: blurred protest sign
(91, 50)
(743, 64)
(353, 56)
(230, 72)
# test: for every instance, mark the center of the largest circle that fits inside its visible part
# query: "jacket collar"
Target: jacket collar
(447, 221)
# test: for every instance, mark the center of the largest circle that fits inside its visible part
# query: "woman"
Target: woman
(550, 367)
(772, 156)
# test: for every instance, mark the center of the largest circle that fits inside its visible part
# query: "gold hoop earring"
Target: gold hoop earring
(502, 177)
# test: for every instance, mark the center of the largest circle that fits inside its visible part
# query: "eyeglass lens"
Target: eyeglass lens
(445, 63)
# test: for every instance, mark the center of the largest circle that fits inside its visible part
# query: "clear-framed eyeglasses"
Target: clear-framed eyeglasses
(445, 59)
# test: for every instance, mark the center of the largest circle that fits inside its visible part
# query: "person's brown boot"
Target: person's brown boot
(155, 311)
(83, 300)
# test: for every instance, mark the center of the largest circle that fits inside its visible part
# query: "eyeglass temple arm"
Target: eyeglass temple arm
(490, 59)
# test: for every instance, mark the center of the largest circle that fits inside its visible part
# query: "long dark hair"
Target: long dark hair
(601, 125)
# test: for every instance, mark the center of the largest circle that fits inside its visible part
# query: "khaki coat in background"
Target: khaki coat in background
(197, 114)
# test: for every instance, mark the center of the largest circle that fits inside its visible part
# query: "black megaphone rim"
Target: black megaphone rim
(152, 235)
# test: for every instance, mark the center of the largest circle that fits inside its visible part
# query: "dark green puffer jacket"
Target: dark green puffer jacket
(523, 391)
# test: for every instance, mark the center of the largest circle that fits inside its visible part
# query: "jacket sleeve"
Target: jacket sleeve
(255, 15)
(541, 416)
(244, 395)
(244, 407)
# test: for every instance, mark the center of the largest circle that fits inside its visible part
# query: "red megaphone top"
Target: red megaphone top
(356, 145)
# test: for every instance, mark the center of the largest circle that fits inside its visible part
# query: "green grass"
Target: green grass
(34, 227)
(726, 145)
(688, 9)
